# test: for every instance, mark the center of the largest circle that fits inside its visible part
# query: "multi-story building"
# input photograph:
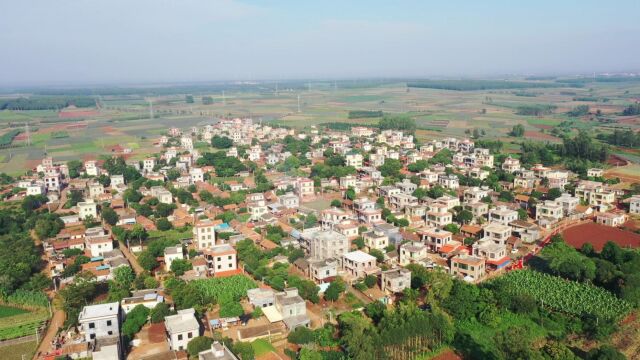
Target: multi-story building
(148, 164)
(394, 281)
(548, 212)
(358, 264)
(354, 159)
(324, 244)
(511, 164)
(434, 238)
(502, 215)
(101, 320)
(475, 194)
(412, 252)
(292, 308)
(304, 187)
(438, 215)
(323, 271)
(181, 329)
(221, 259)
(449, 181)
(375, 239)
(497, 233)
(163, 195)
(204, 235)
(596, 194)
(172, 253)
(218, 351)
(634, 204)
(468, 267)
(87, 209)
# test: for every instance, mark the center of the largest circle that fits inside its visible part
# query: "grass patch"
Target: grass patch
(173, 234)
(16, 351)
(262, 347)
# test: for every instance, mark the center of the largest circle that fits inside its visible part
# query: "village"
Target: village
(296, 226)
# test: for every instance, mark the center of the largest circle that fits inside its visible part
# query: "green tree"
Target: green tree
(180, 266)
(110, 216)
(158, 313)
(199, 344)
(136, 318)
(163, 224)
(335, 289)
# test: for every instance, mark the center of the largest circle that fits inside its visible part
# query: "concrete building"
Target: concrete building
(395, 280)
(375, 239)
(470, 268)
(324, 244)
(87, 209)
(221, 258)
(218, 351)
(204, 235)
(412, 253)
(261, 297)
(634, 204)
(181, 328)
(148, 298)
(323, 271)
(101, 320)
(502, 215)
(358, 264)
(292, 308)
(611, 219)
(172, 253)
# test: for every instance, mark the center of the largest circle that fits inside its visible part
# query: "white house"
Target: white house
(181, 329)
(100, 320)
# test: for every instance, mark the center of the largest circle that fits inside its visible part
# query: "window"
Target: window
(229, 257)
(92, 325)
(92, 336)
(180, 337)
(189, 335)
(230, 265)
(108, 322)
(110, 332)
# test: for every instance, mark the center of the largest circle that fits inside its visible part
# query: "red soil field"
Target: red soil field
(615, 160)
(598, 235)
(546, 127)
(77, 114)
(539, 136)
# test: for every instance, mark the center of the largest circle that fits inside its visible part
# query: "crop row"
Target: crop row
(566, 296)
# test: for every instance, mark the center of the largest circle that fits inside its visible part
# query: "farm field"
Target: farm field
(17, 351)
(8, 311)
(125, 120)
(598, 235)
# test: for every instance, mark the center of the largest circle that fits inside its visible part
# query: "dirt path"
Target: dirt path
(56, 323)
(132, 259)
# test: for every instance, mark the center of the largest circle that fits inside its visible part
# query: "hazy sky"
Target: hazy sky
(115, 41)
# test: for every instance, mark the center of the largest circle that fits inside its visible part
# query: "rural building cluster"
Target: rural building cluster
(273, 221)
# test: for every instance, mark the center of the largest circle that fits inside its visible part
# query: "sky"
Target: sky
(44, 42)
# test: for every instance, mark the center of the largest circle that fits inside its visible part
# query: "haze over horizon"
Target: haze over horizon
(155, 41)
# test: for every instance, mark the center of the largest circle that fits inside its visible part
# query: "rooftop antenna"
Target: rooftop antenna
(298, 102)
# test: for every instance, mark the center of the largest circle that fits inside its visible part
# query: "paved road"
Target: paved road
(56, 323)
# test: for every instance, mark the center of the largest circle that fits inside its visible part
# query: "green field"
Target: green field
(262, 347)
(7, 311)
(17, 351)
(124, 119)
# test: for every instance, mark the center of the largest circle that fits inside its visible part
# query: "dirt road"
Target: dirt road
(56, 323)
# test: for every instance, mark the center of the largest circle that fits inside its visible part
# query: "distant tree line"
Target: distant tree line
(632, 110)
(397, 122)
(356, 114)
(535, 109)
(624, 138)
(470, 85)
(45, 103)
(580, 110)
